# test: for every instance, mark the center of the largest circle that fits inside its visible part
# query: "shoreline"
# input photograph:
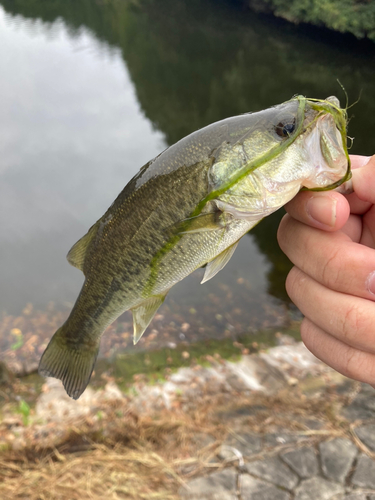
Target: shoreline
(278, 423)
(353, 19)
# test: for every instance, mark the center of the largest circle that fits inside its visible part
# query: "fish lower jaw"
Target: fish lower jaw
(325, 155)
(320, 181)
(325, 177)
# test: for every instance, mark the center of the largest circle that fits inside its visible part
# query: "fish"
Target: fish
(188, 208)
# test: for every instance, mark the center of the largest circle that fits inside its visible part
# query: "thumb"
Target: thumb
(358, 161)
(363, 185)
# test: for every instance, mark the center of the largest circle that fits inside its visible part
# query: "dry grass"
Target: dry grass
(97, 474)
(123, 457)
(150, 457)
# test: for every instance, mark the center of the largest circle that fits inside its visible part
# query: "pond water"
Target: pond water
(90, 91)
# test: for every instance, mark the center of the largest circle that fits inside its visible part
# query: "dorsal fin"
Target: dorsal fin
(76, 255)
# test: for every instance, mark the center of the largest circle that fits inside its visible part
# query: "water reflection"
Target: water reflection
(91, 91)
(72, 135)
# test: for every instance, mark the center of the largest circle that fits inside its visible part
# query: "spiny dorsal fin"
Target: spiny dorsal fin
(144, 312)
(218, 262)
(76, 255)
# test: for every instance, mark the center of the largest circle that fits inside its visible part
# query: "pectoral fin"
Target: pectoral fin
(249, 213)
(201, 223)
(218, 262)
(143, 314)
(77, 253)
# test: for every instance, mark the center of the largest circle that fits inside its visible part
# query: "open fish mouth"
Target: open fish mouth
(325, 147)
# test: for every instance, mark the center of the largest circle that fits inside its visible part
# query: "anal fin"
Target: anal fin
(218, 262)
(143, 314)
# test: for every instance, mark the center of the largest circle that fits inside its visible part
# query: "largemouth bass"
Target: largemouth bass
(188, 208)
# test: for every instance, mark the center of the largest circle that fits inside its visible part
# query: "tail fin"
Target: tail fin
(70, 362)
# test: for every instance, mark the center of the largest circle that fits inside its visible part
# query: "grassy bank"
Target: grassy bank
(346, 16)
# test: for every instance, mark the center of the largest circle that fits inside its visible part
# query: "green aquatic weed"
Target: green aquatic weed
(24, 409)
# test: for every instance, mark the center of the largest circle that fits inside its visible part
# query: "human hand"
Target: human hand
(331, 240)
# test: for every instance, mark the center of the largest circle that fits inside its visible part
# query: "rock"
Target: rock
(217, 486)
(283, 339)
(22, 368)
(246, 444)
(366, 433)
(202, 440)
(274, 439)
(337, 457)
(354, 412)
(111, 393)
(303, 461)
(273, 470)
(241, 411)
(54, 405)
(363, 405)
(255, 489)
(12, 422)
(253, 373)
(182, 376)
(367, 391)
(152, 398)
(357, 496)
(310, 423)
(29, 366)
(364, 474)
(318, 488)
(294, 360)
(191, 383)
(5, 376)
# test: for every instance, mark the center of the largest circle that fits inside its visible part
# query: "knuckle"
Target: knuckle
(360, 366)
(351, 364)
(284, 233)
(307, 335)
(353, 322)
(331, 269)
(294, 283)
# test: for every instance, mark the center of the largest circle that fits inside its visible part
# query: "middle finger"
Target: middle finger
(331, 259)
(347, 318)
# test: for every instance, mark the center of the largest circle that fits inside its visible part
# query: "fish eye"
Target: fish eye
(285, 128)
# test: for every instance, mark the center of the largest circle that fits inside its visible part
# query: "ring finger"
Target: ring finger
(347, 360)
(349, 319)
(332, 259)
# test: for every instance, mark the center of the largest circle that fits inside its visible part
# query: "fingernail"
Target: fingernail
(322, 209)
(360, 161)
(370, 282)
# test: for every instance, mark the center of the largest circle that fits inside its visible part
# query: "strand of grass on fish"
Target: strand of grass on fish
(188, 208)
